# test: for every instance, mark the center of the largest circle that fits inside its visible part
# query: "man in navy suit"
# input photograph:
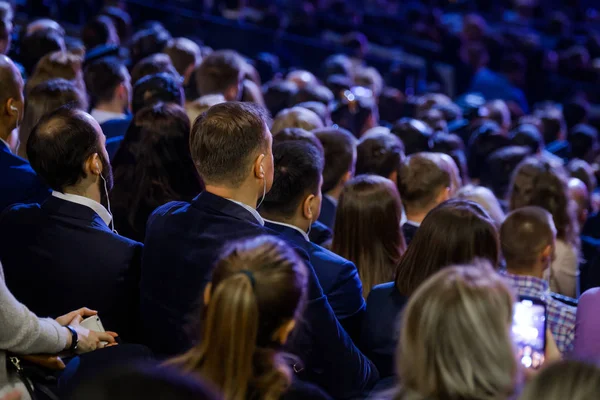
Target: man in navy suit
(340, 158)
(290, 208)
(18, 182)
(231, 147)
(61, 254)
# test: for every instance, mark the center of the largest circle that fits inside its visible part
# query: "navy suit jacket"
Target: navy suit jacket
(61, 256)
(183, 242)
(327, 216)
(320, 234)
(381, 326)
(409, 231)
(115, 130)
(338, 278)
(18, 181)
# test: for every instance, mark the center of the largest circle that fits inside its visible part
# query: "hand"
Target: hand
(67, 318)
(14, 395)
(90, 340)
(552, 355)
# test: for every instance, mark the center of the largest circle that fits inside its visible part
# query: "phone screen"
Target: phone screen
(529, 332)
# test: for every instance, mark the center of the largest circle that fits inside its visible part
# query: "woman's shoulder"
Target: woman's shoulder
(300, 390)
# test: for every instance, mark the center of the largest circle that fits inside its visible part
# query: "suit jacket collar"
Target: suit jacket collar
(287, 231)
(206, 200)
(57, 206)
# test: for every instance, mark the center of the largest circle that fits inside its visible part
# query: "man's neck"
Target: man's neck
(524, 271)
(336, 192)
(240, 194)
(89, 192)
(416, 217)
(110, 107)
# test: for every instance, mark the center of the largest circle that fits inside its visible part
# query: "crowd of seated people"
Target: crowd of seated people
(307, 236)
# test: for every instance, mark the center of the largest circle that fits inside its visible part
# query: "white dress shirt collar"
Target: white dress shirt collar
(413, 223)
(251, 210)
(5, 143)
(84, 201)
(102, 116)
(304, 234)
(331, 199)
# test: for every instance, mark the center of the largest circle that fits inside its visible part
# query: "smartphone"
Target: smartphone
(93, 323)
(529, 331)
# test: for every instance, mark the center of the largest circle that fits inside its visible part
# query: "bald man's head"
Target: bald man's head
(11, 96)
(581, 196)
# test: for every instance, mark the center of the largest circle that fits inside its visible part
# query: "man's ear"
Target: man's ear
(346, 177)
(444, 195)
(308, 207)
(93, 165)
(259, 169)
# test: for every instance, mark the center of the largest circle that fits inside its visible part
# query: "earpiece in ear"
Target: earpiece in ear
(262, 171)
(97, 167)
(15, 109)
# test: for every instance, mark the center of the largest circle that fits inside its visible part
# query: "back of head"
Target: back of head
(256, 292)
(486, 199)
(583, 140)
(414, 134)
(162, 87)
(226, 140)
(460, 312)
(355, 112)
(370, 78)
(44, 98)
(298, 134)
(575, 113)
(583, 171)
(337, 64)
(421, 182)
(525, 233)
(220, 72)
(99, 31)
(391, 105)
(500, 165)
(340, 155)
(498, 112)
(279, 95)
(59, 64)
(147, 42)
(121, 21)
(380, 154)
(318, 108)
(367, 228)
(298, 168)
(103, 76)
(184, 54)
(528, 135)
(536, 183)
(486, 139)
(61, 143)
(153, 165)
(456, 231)
(153, 64)
(315, 92)
(296, 117)
(38, 44)
(575, 380)
(553, 126)
(144, 382)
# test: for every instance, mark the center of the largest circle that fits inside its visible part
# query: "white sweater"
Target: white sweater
(22, 332)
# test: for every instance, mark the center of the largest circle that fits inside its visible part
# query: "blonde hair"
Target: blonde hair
(573, 380)
(486, 199)
(296, 117)
(455, 341)
(58, 64)
(449, 165)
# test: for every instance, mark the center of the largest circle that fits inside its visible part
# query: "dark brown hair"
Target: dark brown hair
(183, 53)
(257, 286)
(226, 139)
(380, 154)
(367, 228)
(524, 234)
(536, 183)
(219, 71)
(420, 181)
(340, 151)
(151, 65)
(455, 232)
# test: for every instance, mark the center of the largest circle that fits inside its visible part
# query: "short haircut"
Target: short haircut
(420, 181)
(340, 155)
(582, 138)
(278, 95)
(583, 171)
(58, 64)
(153, 89)
(391, 105)
(318, 108)
(9, 80)
(415, 135)
(38, 44)
(524, 234)
(183, 53)
(60, 144)
(500, 166)
(298, 134)
(486, 139)
(121, 20)
(337, 64)
(98, 32)
(296, 117)
(353, 115)
(226, 139)
(379, 154)
(147, 42)
(529, 136)
(298, 169)
(153, 64)
(318, 93)
(102, 77)
(219, 71)
(553, 124)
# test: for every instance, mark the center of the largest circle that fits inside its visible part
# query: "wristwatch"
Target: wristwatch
(74, 339)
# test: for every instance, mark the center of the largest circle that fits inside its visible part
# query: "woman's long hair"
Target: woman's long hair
(537, 183)
(257, 287)
(367, 229)
(153, 166)
(455, 232)
(455, 341)
(573, 380)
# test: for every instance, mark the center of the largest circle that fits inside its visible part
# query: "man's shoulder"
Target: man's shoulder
(17, 212)
(329, 256)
